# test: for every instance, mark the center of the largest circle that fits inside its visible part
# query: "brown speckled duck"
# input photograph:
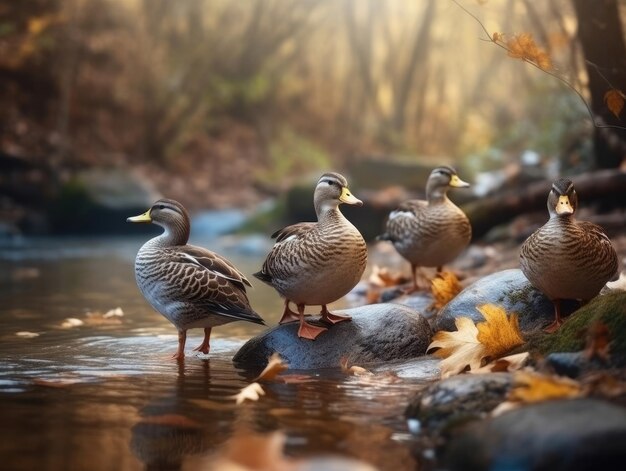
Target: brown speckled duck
(316, 263)
(434, 232)
(191, 286)
(566, 258)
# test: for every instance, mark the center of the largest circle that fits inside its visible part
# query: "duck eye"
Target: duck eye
(161, 206)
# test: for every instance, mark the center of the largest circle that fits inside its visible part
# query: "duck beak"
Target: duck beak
(145, 217)
(456, 182)
(349, 198)
(564, 206)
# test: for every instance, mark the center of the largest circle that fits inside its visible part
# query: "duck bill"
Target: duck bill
(145, 217)
(349, 198)
(564, 206)
(456, 182)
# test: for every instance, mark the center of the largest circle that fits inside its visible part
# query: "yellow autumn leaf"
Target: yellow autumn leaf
(614, 100)
(499, 333)
(275, 366)
(445, 286)
(458, 349)
(531, 387)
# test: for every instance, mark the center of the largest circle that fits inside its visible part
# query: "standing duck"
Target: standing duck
(566, 258)
(434, 232)
(316, 263)
(191, 286)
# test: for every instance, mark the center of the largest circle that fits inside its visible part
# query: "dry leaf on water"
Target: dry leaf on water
(445, 286)
(353, 370)
(470, 344)
(275, 366)
(111, 317)
(251, 392)
(614, 100)
(523, 46)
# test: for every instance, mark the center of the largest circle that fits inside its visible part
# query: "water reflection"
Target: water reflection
(107, 396)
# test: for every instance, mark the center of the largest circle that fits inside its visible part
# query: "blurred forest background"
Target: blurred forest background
(220, 103)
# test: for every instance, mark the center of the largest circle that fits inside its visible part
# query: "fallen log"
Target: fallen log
(607, 187)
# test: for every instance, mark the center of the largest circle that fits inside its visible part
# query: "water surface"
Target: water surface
(105, 395)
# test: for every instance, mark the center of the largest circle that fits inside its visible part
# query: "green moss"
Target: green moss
(609, 309)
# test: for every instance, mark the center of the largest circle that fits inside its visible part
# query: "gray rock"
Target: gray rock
(419, 301)
(458, 398)
(509, 289)
(377, 333)
(568, 435)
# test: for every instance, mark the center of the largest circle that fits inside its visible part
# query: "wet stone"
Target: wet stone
(509, 289)
(377, 333)
(569, 435)
(458, 399)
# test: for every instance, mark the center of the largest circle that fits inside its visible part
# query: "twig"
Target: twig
(494, 40)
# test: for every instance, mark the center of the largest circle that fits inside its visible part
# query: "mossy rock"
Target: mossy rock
(609, 310)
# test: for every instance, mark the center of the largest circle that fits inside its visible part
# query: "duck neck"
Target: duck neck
(328, 212)
(174, 233)
(437, 195)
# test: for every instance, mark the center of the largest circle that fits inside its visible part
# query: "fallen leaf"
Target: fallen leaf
(598, 342)
(353, 370)
(71, 322)
(275, 366)
(445, 286)
(251, 392)
(601, 383)
(27, 335)
(499, 333)
(117, 312)
(614, 100)
(508, 363)
(458, 349)
(529, 387)
(384, 278)
(172, 420)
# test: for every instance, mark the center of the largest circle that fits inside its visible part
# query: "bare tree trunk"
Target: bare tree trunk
(601, 36)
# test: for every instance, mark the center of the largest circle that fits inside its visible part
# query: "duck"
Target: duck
(431, 232)
(316, 263)
(192, 287)
(566, 258)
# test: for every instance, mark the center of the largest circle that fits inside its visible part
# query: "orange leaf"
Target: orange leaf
(275, 366)
(523, 46)
(497, 37)
(445, 286)
(614, 100)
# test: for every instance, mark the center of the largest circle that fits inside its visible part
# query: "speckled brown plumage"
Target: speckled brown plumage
(191, 286)
(566, 258)
(434, 232)
(317, 263)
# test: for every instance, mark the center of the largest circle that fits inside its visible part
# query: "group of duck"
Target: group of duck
(316, 263)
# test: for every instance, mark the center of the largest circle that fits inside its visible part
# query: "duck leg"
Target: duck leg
(333, 318)
(557, 317)
(307, 330)
(204, 347)
(415, 287)
(180, 353)
(288, 315)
